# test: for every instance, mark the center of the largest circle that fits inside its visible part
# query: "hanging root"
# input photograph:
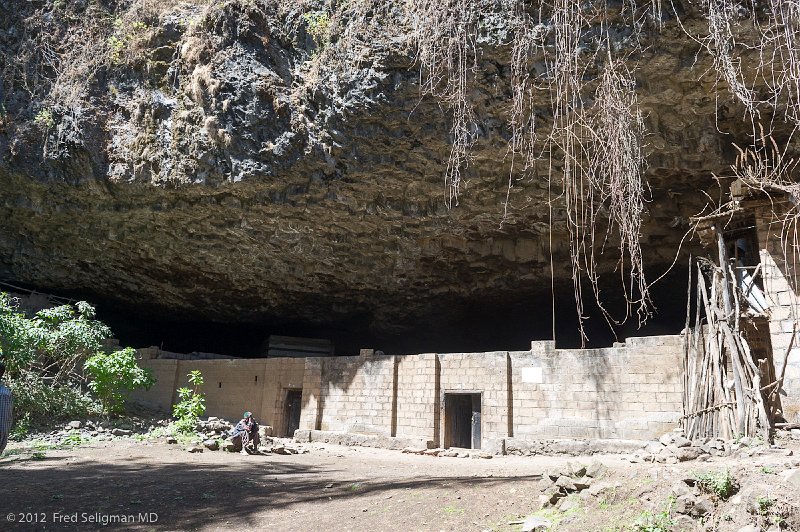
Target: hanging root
(444, 33)
(618, 164)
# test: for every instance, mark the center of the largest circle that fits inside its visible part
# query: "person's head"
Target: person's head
(247, 415)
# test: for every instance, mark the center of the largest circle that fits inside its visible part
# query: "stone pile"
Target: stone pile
(674, 447)
(92, 429)
(572, 478)
(213, 428)
(447, 453)
(214, 436)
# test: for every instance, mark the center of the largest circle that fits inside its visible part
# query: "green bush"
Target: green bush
(113, 373)
(719, 483)
(21, 428)
(192, 404)
(42, 401)
(318, 24)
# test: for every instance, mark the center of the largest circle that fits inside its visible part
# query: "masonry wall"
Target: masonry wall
(484, 373)
(358, 394)
(631, 392)
(418, 398)
(280, 376)
(784, 307)
(231, 386)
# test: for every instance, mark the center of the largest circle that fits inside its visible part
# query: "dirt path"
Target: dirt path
(330, 488)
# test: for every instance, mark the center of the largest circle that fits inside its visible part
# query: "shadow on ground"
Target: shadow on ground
(190, 496)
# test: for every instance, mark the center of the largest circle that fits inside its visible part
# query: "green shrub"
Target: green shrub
(44, 119)
(41, 401)
(719, 483)
(192, 404)
(113, 373)
(21, 428)
(319, 25)
(660, 522)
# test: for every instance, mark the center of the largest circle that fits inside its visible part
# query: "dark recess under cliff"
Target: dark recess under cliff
(497, 324)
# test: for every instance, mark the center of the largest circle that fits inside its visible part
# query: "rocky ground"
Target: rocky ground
(83, 481)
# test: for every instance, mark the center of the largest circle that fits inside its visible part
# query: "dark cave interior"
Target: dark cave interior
(502, 322)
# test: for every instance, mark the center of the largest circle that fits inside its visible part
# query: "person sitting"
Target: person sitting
(247, 430)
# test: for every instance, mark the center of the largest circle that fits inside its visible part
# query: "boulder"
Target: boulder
(684, 454)
(575, 470)
(680, 441)
(684, 504)
(535, 523)
(171, 440)
(654, 447)
(582, 483)
(569, 503)
(551, 495)
(702, 506)
(596, 470)
(211, 445)
(121, 432)
(598, 488)
(792, 476)
(566, 483)
(74, 425)
(194, 449)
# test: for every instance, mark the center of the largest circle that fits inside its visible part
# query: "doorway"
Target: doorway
(291, 411)
(462, 413)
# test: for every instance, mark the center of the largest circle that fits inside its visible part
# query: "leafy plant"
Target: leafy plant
(21, 428)
(319, 24)
(43, 355)
(44, 119)
(73, 438)
(192, 404)
(113, 373)
(719, 483)
(764, 504)
(660, 522)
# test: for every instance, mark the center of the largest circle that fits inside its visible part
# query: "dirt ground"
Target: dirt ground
(350, 488)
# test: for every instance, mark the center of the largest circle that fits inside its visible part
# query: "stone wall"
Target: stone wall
(483, 373)
(418, 396)
(280, 376)
(632, 391)
(784, 309)
(358, 395)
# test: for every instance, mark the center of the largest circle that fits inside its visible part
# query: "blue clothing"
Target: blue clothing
(6, 410)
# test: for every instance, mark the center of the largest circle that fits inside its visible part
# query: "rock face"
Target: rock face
(202, 186)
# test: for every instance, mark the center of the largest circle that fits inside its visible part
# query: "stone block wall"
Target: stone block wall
(280, 376)
(161, 395)
(630, 392)
(418, 396)
(231, 386)
(358, 394)
(484, 373)
(784, 310)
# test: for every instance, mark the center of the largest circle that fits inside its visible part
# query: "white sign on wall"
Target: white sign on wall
(532, 375)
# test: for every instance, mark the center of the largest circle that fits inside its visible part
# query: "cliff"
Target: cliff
(199, 175)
